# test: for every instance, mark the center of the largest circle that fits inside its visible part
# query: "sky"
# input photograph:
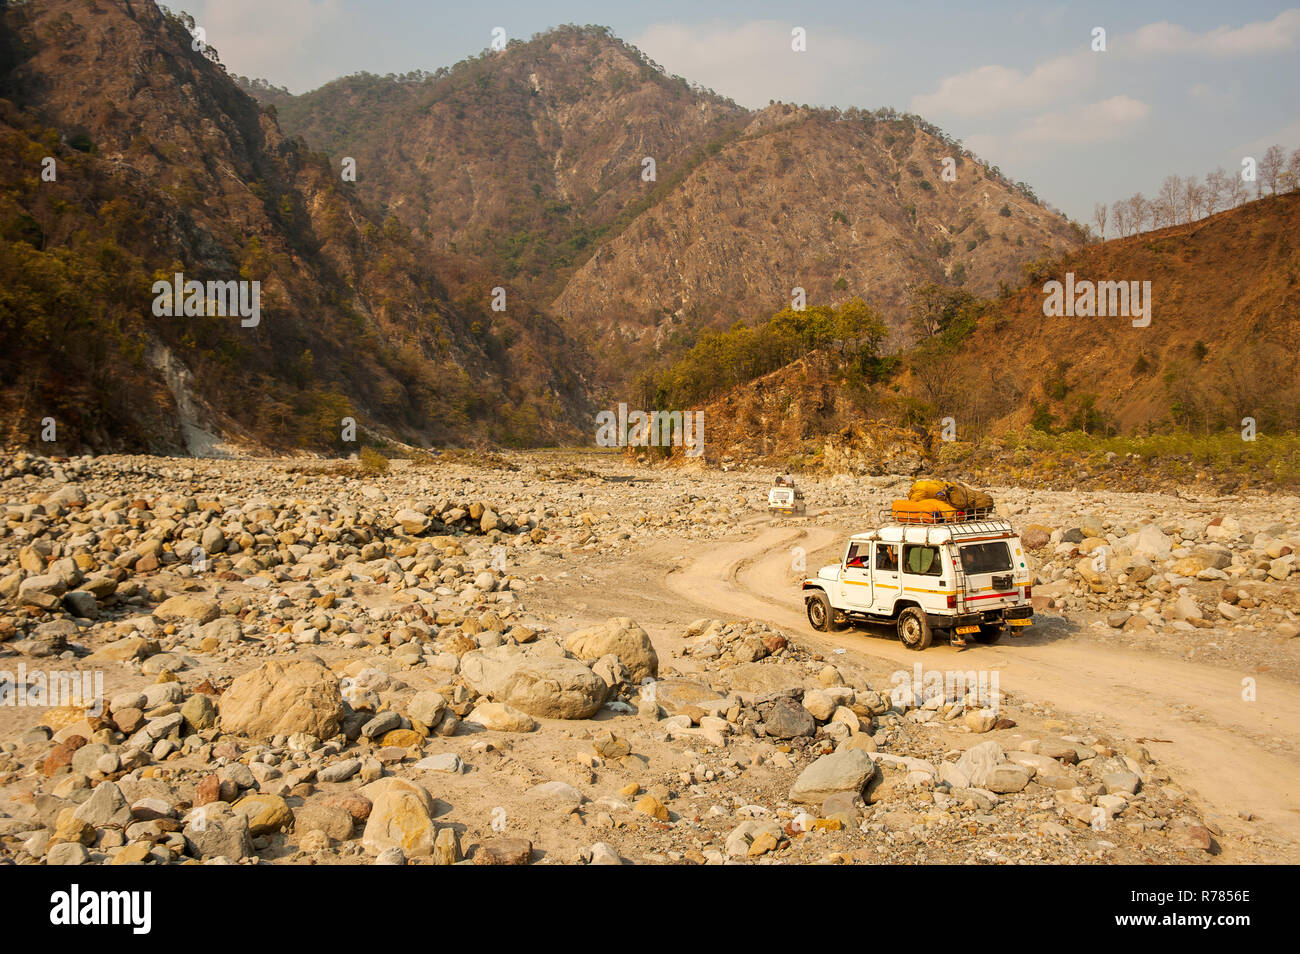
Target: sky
(1180, 88)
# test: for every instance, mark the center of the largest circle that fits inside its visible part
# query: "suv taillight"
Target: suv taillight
(952, 601)
(1029, 590)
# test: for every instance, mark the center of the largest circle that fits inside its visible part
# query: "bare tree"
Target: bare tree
(1216, 190)
(1194, 199)
(1236, 191)
(1292, 174)
(1270, 167)
(1140, 211)
(1120, 212)
(1171, 198)
(1099, 216)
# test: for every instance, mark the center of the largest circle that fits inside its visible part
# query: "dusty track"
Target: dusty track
(1231, 755)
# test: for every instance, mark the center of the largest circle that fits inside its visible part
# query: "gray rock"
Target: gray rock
(787, 719)
(532, 680)
(216, 831)
(448, 763)
(847, 770)
(105, 808)
(1122, 783)
(979, 761)
(383, 722)
(426, 707)
(339, 771)
(67, 853)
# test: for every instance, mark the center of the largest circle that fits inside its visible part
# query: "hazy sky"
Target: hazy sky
(1182, 86)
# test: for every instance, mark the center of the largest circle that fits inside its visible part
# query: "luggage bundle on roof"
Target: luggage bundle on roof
(942, 501)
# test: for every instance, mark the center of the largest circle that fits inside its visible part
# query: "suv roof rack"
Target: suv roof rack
(937, 516)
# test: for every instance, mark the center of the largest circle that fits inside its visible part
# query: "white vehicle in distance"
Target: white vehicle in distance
(962, 578)
(785, 498)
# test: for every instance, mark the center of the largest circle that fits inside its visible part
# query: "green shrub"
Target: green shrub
(372, 463)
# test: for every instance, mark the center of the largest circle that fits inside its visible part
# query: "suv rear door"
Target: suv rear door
(990, 574)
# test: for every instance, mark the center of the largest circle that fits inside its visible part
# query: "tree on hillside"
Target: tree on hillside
(1235, 192)
(1168, 201)
(934, 307)
(1193, 199)
(812, 327)
(1217, 189)
(1099, 216)
(1271, 165)
(1292, 174)
(1120, 211)
(859, 329)
(1140, 211)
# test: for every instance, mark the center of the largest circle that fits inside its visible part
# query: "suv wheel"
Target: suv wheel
(820, 615)
(914, 628)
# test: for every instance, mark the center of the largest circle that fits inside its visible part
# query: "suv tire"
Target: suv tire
(820, 615)
(914, 629)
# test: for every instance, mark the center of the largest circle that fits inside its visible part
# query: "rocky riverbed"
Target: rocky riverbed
(294, 663)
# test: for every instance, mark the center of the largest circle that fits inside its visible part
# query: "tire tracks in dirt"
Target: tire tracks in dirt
(1231, 755)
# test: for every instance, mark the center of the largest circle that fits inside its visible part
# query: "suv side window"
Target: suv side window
(857, 556)
(886, 558)
(922, 560)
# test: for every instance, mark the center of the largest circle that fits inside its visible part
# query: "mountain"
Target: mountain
(163, 165)
(530, 162)
(1220, 347)
(838, 205)
(522, 158)
(1221, 344)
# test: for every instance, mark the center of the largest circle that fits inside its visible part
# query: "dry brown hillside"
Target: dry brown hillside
(522, 157)
(836, 205)
(164, 165)
(530, 161)
(1221, 345)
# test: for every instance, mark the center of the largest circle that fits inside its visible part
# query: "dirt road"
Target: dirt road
(1231, 755)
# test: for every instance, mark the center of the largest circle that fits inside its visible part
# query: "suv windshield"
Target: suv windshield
(985, 558)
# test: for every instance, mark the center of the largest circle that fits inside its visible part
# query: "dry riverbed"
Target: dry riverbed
(557, 657)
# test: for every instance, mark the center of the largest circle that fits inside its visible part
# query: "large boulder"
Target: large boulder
(787, 719)
(676, 694)
(979, 763)
(265, 813)
(500, 717)
(187, 608)
(622, 637)
(535, 681)
(401, 816)
(1150, 543)
(282, 699)
(215, 830)
(844, 770)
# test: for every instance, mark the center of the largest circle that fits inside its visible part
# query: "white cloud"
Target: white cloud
(993, 89)
(1214, 98)
(1286, 136)
(753, 62)
(1273, 36)
(256, 38)
(1096, 122)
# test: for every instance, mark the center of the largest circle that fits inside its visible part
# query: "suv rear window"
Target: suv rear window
(985, 558)
(923, 561)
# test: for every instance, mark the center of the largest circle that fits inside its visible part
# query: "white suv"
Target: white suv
(785, 498)
(959, 578)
